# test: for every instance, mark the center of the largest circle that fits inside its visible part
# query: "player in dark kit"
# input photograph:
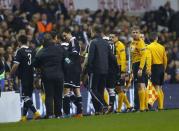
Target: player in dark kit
(112, 75)
(22, 62)
(72, 73)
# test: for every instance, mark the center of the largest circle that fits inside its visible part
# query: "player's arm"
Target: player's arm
(14, 68)
(91, 57)
(148, 61)
(36, 61)
(123, 58)
(142, 50)
(75, 48)
(17, 60)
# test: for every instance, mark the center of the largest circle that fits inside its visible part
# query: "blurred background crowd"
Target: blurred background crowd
(33, 19)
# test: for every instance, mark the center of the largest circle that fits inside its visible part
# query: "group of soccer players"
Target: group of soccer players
(106, 54)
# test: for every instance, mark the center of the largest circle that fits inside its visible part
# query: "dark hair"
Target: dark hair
(153, 36)
(135, 28)
(97, 29)
(22, 39)
(54, 33)
(47, 37)
(67, 30)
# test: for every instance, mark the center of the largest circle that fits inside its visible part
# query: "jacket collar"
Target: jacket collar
(24, 46)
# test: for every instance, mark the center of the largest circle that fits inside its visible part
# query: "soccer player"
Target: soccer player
(148, 70)
(120, 53)
(159, 65)
(138, 50)
(72, 73)
(23, 62)
(111, 77)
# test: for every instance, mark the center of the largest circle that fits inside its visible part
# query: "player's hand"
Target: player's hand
(81, 83)
(140, 72)
(67, 60)
(148, 73)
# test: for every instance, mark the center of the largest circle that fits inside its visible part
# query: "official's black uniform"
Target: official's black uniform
(99, 58)
(24, 58)
(50, 60)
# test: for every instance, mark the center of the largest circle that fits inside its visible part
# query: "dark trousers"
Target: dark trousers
(53, 99)
(98, 83)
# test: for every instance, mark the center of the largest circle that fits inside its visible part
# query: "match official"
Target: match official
(159, 65)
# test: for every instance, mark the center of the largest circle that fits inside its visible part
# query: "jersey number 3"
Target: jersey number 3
(30, 59)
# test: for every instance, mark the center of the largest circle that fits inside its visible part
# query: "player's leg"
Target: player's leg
(78, 102)
(119, 88)
(28, 103)
(141, 93)
(110, 85)
(157, 80)
(78, 97)
(142, 89)
(126, 102)
(66, 101)
(161, 101)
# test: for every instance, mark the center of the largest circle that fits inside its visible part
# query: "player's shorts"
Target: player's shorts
(135, 68)
(27, 88)
(157, 76)
(72, 79)
(120, 82)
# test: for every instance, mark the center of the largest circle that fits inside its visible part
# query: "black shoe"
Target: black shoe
(107, 109)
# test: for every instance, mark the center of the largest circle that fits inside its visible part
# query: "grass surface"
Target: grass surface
(149, 121)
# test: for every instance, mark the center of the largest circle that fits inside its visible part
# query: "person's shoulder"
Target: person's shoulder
(40, 52)
(141, 42)
(149, 45)
(59, 47)
(121, 44)
(19, 50)
(94, 40)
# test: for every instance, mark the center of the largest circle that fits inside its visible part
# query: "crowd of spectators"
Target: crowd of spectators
(27, 19)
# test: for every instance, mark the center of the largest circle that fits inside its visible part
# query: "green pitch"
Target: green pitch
(149, 121)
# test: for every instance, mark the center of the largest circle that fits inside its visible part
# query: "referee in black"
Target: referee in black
(50, 60)
(158, 66)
